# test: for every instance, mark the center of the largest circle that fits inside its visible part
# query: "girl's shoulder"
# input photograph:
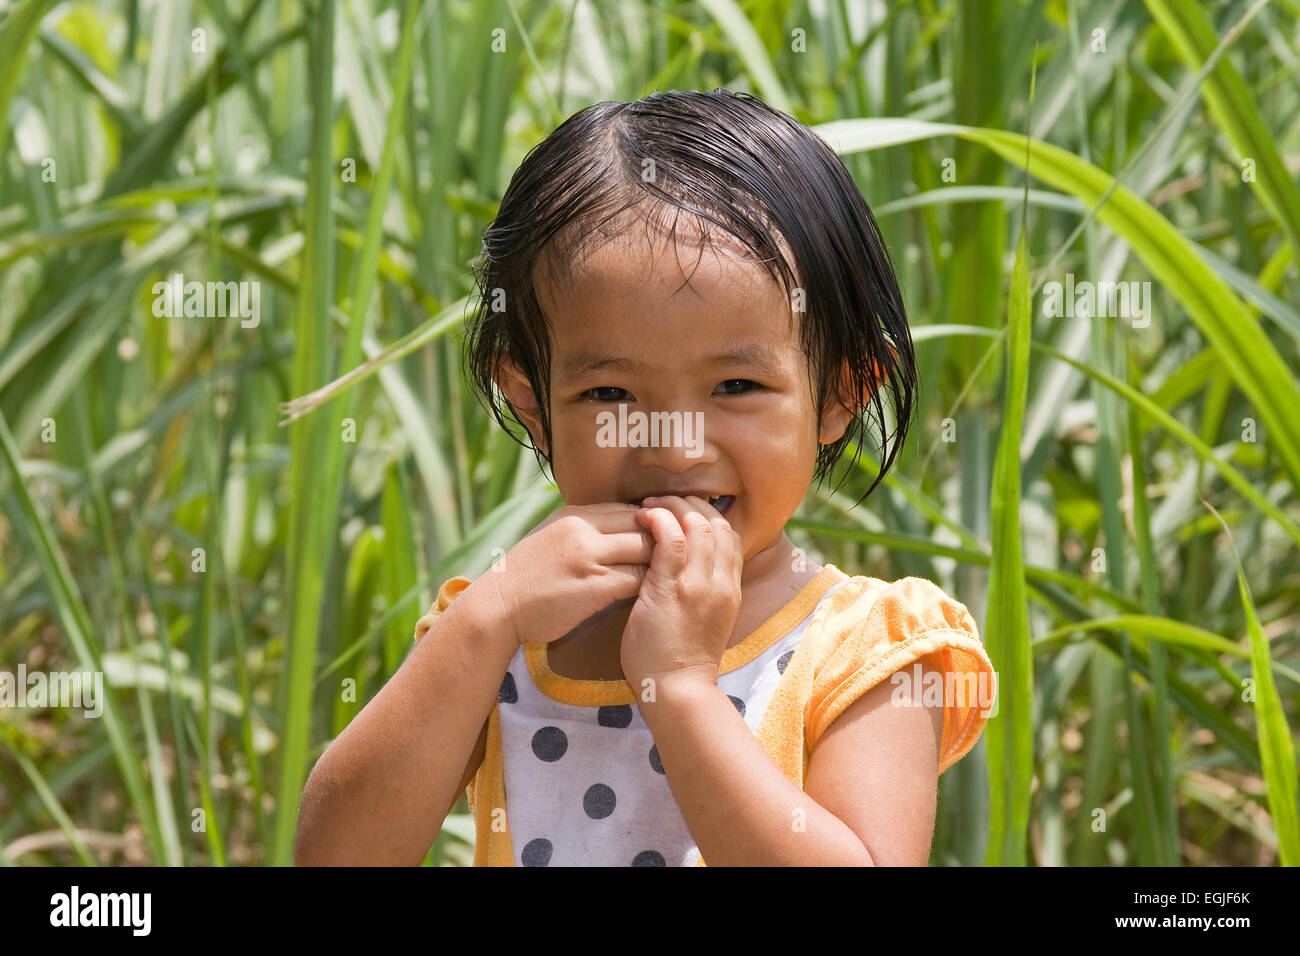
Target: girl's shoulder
(911, 633)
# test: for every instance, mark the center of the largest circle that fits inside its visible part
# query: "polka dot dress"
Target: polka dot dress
(584, 784)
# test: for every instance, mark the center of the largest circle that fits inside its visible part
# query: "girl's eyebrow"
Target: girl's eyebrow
(578, 364)
(753, 357)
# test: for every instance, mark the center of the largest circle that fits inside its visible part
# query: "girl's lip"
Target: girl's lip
(726, 500)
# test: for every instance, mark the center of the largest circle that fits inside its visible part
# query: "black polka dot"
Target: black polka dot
(614, 716)
(550, 743)
(783, 661)
(509, 693)
(537, 852)
(648, 858)
(598, 801)
(655, 762)
(738, 704)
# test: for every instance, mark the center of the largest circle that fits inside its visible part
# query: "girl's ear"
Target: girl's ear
(519, 393)
(836, 420)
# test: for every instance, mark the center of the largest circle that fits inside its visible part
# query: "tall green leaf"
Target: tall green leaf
(1276, 747)
(16, 35)
(312, 526)
(1006, 628)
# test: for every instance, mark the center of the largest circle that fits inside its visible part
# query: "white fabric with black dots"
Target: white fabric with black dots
(584, 785)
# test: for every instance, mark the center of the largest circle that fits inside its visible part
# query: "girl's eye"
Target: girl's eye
(591, 395)
(745, 385)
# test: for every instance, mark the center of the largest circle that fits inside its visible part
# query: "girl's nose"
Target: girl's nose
(676, 442)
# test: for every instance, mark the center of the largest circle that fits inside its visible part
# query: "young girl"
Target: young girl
(655, 675)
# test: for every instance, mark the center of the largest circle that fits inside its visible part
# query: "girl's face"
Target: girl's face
(715, 346)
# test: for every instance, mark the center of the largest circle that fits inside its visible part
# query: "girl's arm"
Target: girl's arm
(380, 792)
(876, 769)
(869, 798)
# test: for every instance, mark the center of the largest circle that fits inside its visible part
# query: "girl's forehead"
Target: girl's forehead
(629, 276)
(618, 314)
(653, 245)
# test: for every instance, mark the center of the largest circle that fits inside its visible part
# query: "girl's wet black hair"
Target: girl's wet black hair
(723, 158)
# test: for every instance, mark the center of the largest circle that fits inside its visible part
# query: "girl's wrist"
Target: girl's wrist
(483, 614)
(674, 686)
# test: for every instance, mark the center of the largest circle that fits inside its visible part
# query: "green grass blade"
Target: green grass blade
(364, 280)
(312, 527)
(16, 35)
(1165, 798)
(749, 47)
(51, 803)
(400, 571)
(450, 318)
(1276, 745)
(1006, 629)
(1164, 631)
(361, 585)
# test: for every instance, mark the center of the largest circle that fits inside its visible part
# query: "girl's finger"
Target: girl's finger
(670, 553)
(626, 547)
(719, 534)
(738, 557)
(730, 548)
(617, 518)
(700, 546)
(625, 579)
(607, 516)
(728, 552)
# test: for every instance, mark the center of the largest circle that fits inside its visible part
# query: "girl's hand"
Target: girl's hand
(574, 564)
(682, 619)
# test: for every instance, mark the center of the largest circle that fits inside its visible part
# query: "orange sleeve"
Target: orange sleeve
(450, 588)
(897, 630)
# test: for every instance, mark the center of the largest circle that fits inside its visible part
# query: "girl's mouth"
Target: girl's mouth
(722, 503)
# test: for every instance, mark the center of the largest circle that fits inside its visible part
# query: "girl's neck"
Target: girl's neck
(778, 565)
